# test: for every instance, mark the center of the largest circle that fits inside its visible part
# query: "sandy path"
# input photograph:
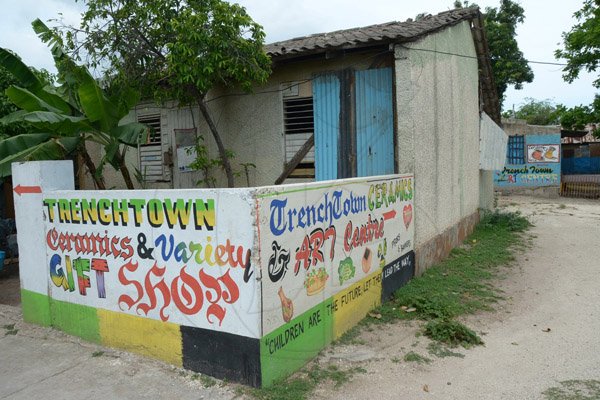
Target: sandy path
(555, 284)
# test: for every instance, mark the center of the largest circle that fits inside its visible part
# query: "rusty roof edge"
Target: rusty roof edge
(274, 49)
(491, 103)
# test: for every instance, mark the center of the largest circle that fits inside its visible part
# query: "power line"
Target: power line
(475, 58)
(373, 56)
(295, 84)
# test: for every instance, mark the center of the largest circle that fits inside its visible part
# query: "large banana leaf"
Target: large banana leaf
(63, 125)
(19, 70)
(94, 103)
(28, 101)
(52, 149)
(131, 134)
(50, 38)
(125, 99)
(28, 80)
(110, 156)
(17, 144)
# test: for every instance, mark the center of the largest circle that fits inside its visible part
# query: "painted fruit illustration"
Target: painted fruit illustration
(346, 270)
(550, 153)
(381, 252)
(367, 260)
(315, 281)
(287, 306)
(407, 214)
(537, 154)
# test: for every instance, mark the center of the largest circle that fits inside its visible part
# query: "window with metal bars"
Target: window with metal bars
(153, 124)
(299, 126)
(151, 153)
(515, 152)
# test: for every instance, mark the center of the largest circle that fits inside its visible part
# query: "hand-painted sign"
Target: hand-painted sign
(184, 259)
(543, 153)
(319, 240)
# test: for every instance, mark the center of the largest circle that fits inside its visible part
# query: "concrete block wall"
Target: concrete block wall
(437, 102)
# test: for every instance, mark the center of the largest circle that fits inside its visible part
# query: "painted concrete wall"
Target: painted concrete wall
(244, 284)
(520, 127)
(438, 128)
(492, 144)
(540, 168)
(330, 251)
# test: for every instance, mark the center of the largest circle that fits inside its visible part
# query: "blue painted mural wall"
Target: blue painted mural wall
(541, 164)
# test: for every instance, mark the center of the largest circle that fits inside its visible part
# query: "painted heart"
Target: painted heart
(407, 214)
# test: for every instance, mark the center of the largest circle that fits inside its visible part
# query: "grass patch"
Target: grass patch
(411, 356)
(452, 333)
(574, 390)
(439, 350)
(301, 385)
(351, 336)
(461, 284)
(98, 353)
(10, 330)
(207, 381)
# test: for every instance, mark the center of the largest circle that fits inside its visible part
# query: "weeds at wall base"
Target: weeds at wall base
(302, 384)
(460, 285)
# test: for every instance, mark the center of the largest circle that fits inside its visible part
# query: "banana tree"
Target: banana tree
(67, 116)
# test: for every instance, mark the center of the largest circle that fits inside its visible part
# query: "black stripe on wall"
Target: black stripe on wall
(396, 274)
(222, 355)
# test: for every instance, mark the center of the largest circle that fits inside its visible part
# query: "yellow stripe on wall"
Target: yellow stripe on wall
(140, 335)
(354, 302)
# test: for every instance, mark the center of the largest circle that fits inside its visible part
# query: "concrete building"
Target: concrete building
(533, 159)
(404, 97)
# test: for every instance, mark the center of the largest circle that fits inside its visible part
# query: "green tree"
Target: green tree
(582, 43)
(538, 112)
(174, 49)
(63, 118)
(7, 107)
(579, 116)
(508, 63)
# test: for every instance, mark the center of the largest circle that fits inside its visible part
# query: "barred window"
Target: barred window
(515, 152)
(299, 126)
(151, 153)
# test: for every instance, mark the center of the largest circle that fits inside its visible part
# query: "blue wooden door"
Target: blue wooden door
(374, 122)
(326, 109)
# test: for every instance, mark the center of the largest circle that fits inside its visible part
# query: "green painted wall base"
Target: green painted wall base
(72, 318)
(36, 308)
(288, 348)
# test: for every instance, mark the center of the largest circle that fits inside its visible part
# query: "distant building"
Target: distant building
(406, 97)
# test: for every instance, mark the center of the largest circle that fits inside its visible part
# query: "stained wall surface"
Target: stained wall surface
(438, 127)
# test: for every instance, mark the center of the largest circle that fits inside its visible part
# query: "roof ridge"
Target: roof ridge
(354, 37)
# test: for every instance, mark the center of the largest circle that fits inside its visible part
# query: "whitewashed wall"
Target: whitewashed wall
(492, 144)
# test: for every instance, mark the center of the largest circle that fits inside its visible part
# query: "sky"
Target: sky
(538, 37)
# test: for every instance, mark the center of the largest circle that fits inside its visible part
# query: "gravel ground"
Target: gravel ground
(546, 332)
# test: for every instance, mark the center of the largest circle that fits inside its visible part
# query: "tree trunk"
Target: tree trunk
(98, 180)
(125, 171)
(217, 137)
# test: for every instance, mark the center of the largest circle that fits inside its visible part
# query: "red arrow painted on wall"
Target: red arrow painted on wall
(389, 215)
(27, 189)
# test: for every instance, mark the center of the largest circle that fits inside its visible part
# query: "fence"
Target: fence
(581, 186)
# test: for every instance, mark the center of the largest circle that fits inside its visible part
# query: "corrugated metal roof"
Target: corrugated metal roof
(370, 35)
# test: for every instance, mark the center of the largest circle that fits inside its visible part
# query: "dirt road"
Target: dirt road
(546, 332)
